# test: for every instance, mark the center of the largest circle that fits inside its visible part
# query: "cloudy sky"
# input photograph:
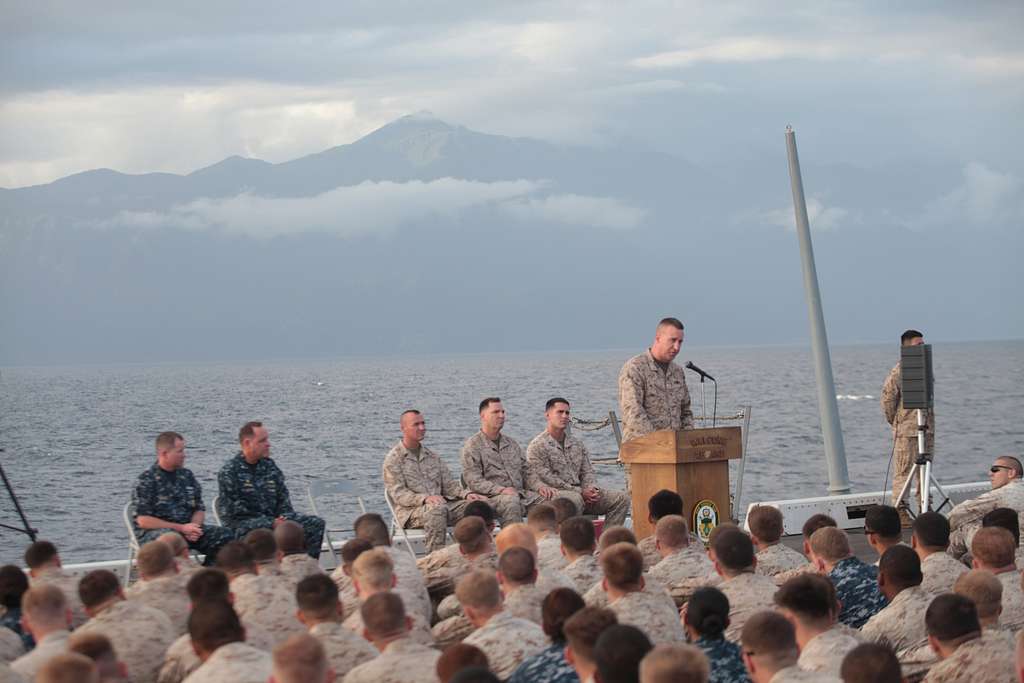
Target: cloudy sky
(143, 87)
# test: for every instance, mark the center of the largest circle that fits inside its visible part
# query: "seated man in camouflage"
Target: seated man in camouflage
(558, 466)
(253, 494)
(420, 486)
(167, 497)
(773, 556)
(1007, 478)
(966, 652)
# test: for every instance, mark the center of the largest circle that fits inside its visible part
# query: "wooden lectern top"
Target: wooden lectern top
(667, 447)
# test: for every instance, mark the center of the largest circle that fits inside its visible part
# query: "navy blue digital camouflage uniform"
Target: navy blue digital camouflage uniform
(725, 660)
(547, 666)
(253, 496)
(856, 585)
(175, 497)
(12, 619)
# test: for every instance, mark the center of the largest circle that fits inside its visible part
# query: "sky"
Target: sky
(141, 87)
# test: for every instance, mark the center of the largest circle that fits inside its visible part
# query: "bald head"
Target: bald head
(290, 538)
(516, 536)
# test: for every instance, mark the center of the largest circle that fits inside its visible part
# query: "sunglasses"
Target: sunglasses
(996, 468)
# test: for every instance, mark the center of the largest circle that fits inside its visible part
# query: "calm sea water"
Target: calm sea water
(76, 437)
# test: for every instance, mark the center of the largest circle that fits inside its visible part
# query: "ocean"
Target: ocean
(75, 438)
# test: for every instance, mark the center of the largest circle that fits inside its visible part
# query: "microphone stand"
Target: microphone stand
(26, 528)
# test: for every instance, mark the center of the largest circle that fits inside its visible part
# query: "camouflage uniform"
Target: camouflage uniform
(253, 496)
(904, 430)
(806, 568)
(649, 549)
(547, 666)
(420, 632)
(748, 593)
(488, 467)
(652, 614)
(825, 651)
(346, 591)
(181, 659)
(566, 467)
(1012, 616)
(778, 558)
(294, 568)
(988, 659)
(900, 624)
(409, 479)
(596, 597)
(174, 497)
(524, 602)
(585, 572)
(549, 552)
(402, 661)
(50, 646)
(11, 646)
(441, 578)
(140, 636)
(940, 572)
(507, 641)
(792, 674)
(9, 676)
(68, 584)
(857, 590)
(683, 572)
(267, 602)
(409, 580)
(450, 631)
(167, 594)
(450, 606)
(965, 518)
(725, 660)
(235, 662)
(345, 650)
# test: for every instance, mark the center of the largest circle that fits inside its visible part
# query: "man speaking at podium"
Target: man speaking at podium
(652, 389)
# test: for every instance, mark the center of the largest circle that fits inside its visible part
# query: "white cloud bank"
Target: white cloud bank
(821, 217)
(985, 197)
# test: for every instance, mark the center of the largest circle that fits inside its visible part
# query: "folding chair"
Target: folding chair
(318, 488)
(215, 509)
(407, 534)
(133, 543)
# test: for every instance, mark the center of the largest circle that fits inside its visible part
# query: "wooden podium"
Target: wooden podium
(694, 463)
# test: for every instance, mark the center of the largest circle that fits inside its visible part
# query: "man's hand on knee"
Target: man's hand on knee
(434, 500)
(509, 491)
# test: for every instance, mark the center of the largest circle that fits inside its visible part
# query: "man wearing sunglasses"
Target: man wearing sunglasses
(1007, 477)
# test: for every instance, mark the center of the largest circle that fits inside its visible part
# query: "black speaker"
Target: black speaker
(918, 383)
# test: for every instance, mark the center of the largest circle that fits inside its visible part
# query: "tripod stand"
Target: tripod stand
(26, 528)
(922, 472)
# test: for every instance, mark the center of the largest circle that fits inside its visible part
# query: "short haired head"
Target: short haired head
(577, 535)
(68, 667)
(552, 402)
(615, 534)
(458, 657)
(584, 627)
(99, 649)
(619, 651)
(1012, 463)
(871, 663)
(475, 674)
(909, 336)
(951, 617)
(175, 541)
(353, 549)
(291, 539)
(317, 596)
(664, 502)
(734, 550)
(707, 612)
(517, 567)
(481, 509)
(1006, 518)
(556, 608)
(564, 508)
(675, 663)
(383, 615)
(983, 589)
(40, 554)
(765, 522)
(882, 520)
(235, 558)
(167, 440)
(300, 659)
(213, 624)
(670, 322)
(993, 547)
(815, 522)
(769, 636)
(98, 587)
(901, 566)
(488, 401)
(262, 544)
(542, 517)
(479, 590)
(372, 527)
(516, 535)
(374, 569)
(672, 532)
(810, 597)
(830, 544)
(13, 584)
(208, 585)
(623, 566)
(45, 602)
(248, 430)
(155, 560)
(471, 534)
(931, 530)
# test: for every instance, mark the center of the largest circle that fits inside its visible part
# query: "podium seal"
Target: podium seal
(705, 519)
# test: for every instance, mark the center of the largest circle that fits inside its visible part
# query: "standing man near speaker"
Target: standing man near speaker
(904, 426)
(652, 389)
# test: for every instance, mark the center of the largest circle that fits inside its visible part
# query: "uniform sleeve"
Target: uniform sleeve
(450, 489)
(631, 401)
(972, 510)
(587, 477)
(538, 468)
(685, 411)
(394, 482)
(891, 395)
(197, 502)
(284, 499)
(473, 470)
(144, 496)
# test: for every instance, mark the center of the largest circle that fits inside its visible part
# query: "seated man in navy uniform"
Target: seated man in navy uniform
(253, 494)
(168, 498)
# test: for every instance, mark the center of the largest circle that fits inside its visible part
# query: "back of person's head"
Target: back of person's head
(176, 542)
(353, 549)
(901, 566)
(13, 584)
(815, 522)
(765, 522)
(481, 509)
(884, 521)
(771, 639)
(564, 509)
(830, 544)
(555, 610)
(664, 502)
(871, 663)
(301, 659)
(1005, 518)
(97, 587)
(675, 663)
(618, 653)
(718, 531)
(909, 336)
(291, 539)
(577, 535)
(993, 547)
(208, 584)
(45, 603)
(262, 544)
(983, 589)
(40, 554)
(374, 569)
(707, 612)
(383, 615)
(517, 567)
(615, 534)
(213, 624)
(584, 628)
(457, 657)
(317, 596)
(671, 532)
(155, 560)
(951, 617)
(372, 527)
(235, 558)
(479, 590)
(471, 534)
(931, 531)
(734, 550)
(810, 597)
(514, 535)
(475, 674)
(68, 667)
(542, 517)
(623, 566)
(100, 650)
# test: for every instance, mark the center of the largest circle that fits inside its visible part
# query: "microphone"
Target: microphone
(691, 366)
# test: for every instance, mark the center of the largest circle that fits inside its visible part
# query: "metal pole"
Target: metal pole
(828, 408)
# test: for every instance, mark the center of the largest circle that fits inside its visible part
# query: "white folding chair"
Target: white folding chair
(133, 543)
(407, 534)
(319, 488)
(216, 510)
